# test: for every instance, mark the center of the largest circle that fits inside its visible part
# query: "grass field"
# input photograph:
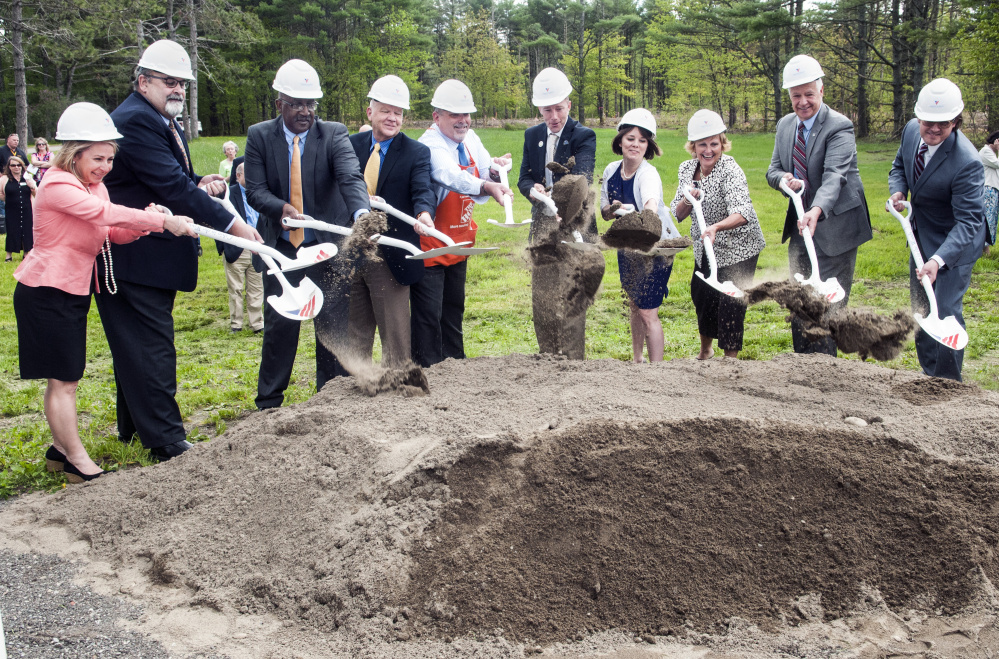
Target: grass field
(217, 370)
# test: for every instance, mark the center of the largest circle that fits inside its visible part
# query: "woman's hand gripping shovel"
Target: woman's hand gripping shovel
(300, 302)
(507, 200)
(727, 287)
(947, 331)
(450, 247)
(830, 289)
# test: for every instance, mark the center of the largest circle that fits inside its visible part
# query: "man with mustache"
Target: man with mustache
(462, 177)
(141, 279)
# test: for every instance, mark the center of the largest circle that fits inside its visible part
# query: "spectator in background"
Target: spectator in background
(41, 158)
(230, 149)
(240, 275)
(16, 189)
(13, 149)
(990, 160)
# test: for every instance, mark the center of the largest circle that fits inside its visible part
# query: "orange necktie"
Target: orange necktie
(296, 236)
(372, 168)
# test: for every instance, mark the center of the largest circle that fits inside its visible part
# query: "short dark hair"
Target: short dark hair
(958, 121)
(992, 137)
(651, 151)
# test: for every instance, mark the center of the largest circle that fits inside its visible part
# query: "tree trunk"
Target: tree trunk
(20, 85)
(899, 63)
(863, 65)
(192, 16)
(581, 82)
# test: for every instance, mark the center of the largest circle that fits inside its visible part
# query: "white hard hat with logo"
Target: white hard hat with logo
(705, 123)
(453, 96)
(169, 58)
(939, 100)
(86, 122)
(550, 87)
(800, 70)
(390, 90)
(639, 117)
(297, 79)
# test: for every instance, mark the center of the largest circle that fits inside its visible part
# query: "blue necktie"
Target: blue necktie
(462, 158)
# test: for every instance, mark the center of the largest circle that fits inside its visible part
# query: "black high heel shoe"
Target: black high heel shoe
(75, 476)
(54, 459)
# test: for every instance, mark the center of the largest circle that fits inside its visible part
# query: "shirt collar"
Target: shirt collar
(290, 136)
(385, 145)
(811, 120)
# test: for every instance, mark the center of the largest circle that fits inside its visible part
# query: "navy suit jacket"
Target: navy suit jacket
(576, 140)
(947, 200)
(231, 252)
(149, 168)
(332, 186)
(404, 183)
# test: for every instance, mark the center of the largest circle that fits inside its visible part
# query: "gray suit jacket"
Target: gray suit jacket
(947, 200)
(332, 186)
(833, 178)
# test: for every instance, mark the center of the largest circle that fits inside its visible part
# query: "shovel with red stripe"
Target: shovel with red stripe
(463, 248)
(830, 289)
(947, 331)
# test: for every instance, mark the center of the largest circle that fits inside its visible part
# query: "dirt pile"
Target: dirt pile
(867, 333)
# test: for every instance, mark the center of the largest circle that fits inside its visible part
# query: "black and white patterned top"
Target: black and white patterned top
(725, 191)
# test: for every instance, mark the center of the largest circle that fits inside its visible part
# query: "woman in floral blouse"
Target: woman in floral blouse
(732, 226)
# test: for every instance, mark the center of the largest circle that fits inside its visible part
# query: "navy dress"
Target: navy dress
(644, 278)
(20, 227)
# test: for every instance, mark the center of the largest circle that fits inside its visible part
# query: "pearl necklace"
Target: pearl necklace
(109, 281)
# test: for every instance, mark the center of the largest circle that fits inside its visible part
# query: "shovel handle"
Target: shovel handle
(251, 245)
(806, 233)
(917, 257)
(545, 200)
(410, 220)
(505, 181)
(395, 242)
(308, 222)
(709, 249)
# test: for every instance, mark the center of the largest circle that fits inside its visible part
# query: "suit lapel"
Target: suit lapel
(281, 159)
(562, 148)
(314, 145)
(816, 130)
(391, 158)
(538, 164)
(937, 161)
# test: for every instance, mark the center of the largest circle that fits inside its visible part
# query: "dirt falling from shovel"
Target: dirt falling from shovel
(866, 333)
(638, 231)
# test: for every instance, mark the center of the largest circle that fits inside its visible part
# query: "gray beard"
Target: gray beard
(173, 108)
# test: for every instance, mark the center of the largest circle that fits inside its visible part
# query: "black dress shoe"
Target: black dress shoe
(74, 475)
(164, 453)
(54, 459)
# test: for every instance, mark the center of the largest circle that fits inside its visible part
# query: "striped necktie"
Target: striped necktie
(920, 162)
(180, 143)
(798, 156)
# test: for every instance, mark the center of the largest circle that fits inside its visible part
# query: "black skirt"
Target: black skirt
(51, 332)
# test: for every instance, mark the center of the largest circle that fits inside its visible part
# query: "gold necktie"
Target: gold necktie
(372, 168)
(296, 236)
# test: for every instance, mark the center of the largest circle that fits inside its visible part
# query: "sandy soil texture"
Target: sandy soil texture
(806, 507)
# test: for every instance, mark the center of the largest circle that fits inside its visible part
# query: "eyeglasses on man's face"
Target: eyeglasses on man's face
(170, 83)
(300, 106)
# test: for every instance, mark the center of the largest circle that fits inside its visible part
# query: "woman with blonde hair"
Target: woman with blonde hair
(75, 222)
(41, 159)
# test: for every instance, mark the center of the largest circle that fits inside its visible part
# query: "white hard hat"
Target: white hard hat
(800, 70)
(169, 58)
(453, 96)
(939, 100)
(639, 117)
(297, 79)
(390, 90)
(86, 122)
(705, 123)
(550, 87)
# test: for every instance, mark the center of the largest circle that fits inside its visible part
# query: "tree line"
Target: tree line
(671, 56)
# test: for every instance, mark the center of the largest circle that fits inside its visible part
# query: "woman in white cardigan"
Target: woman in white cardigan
(634, 181)
(990, 160)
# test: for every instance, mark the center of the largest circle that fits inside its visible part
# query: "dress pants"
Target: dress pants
(378, 300)
(138, 322)
(840, 266)
(280, 345)
(949, 288)
(240, 276)
(438, 307)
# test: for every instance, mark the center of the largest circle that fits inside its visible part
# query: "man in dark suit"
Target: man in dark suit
(153, 165)
(297, 164)
(401, 176)
(13, 149)
(240, 275)
(942, 170)
(559, 138)
(816, 144)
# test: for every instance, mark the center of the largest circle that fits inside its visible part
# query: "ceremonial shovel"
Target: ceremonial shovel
(450, 247)
(947, 331)
(830, 288)
(507, 201)
(728, 288)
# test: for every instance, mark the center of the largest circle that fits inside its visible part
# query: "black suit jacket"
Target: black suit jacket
(576, 140)
(231, 252)
(403, 182)
(149, 168)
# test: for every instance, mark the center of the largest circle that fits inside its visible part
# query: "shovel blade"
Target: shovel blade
(301, 303)
(510, 225)
(457, 249)
(308, 256)
(947, 331)
(726, 287)
(829, 289)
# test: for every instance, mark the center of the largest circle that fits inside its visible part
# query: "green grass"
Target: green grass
(217, 371)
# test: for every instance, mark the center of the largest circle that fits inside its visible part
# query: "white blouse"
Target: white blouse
(991, 164)
(648, 185)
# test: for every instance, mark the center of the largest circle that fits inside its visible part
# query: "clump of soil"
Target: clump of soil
(638, 231)
(682, 242)
(364, 227)
(650, 527)
(408, 380)
(570, 193)
(866, 333)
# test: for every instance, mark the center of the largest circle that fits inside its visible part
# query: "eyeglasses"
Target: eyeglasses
(169, 82)
(941, 125)
(14, 164)
(301, 105)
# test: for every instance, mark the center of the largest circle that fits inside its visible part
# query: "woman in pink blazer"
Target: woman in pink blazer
(74, 222)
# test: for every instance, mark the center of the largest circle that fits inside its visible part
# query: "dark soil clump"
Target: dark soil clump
(638, 231)
(800, 301)
(652, 527)
(364, 227)
(409, 380)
